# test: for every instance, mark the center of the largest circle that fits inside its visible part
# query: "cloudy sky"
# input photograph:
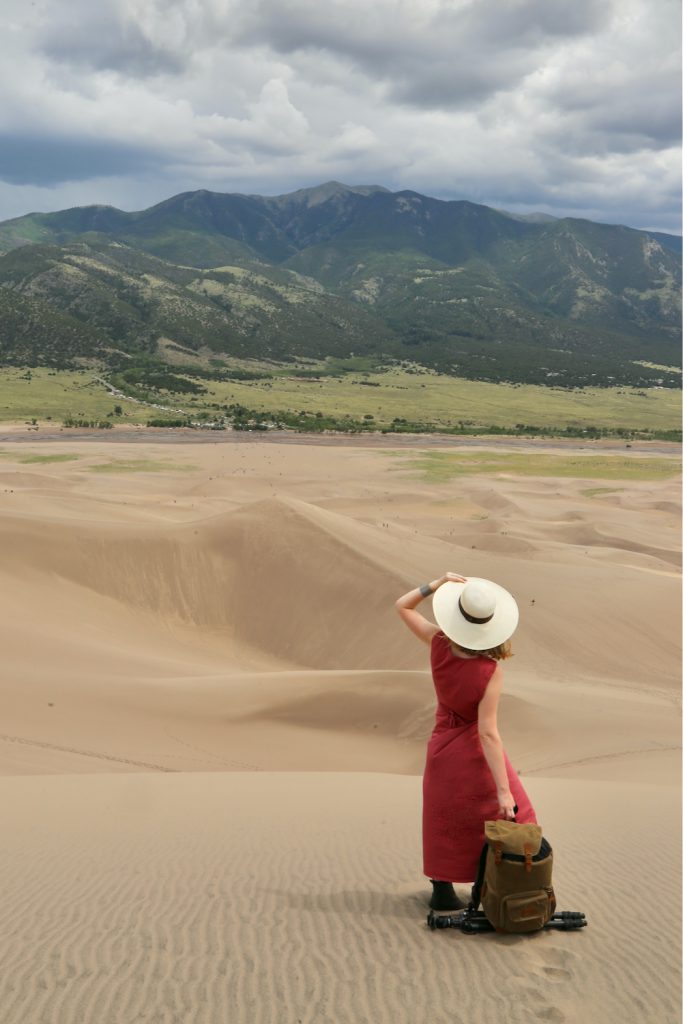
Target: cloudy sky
(566, 106)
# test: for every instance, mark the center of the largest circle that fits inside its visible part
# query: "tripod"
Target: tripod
(472, 921)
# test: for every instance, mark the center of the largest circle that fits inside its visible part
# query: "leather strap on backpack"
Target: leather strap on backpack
(475, 898)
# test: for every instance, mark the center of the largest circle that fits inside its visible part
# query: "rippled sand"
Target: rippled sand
(213, 726)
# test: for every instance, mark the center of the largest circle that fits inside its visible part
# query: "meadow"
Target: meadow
(53, 395)
(378, 400)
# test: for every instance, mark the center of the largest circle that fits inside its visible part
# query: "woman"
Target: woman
(467, 779)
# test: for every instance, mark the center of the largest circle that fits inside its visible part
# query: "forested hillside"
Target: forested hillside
(336, 271)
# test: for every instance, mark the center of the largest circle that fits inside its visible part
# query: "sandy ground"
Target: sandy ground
(213, 727)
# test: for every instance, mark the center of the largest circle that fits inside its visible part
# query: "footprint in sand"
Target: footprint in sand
(557, 973)
(542, 1012)
(531, 994)
(557, 958)
(555, 965)
(550, 1013)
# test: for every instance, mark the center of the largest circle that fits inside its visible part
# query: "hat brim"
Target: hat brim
(472, 635)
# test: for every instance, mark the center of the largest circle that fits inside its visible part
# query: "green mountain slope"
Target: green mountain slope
(567, 302)
(32, 333)
(133, 299)
(333, 270)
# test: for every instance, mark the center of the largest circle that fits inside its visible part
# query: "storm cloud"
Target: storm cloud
(46, 159)
(564, 108)
(432, 55)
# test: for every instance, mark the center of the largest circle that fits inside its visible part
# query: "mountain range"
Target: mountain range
(340, 271)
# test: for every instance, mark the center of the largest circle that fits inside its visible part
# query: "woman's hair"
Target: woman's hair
(499, 653)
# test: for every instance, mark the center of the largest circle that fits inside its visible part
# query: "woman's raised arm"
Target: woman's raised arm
(406, 605)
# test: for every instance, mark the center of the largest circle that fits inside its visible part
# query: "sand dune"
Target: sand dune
(587, 535)
(266, 576)
(213, 727)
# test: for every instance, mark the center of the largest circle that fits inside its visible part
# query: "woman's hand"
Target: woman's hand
(450, 577)
(406, 605)
(506, 805)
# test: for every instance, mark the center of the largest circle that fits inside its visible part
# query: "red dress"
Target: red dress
(459, 793)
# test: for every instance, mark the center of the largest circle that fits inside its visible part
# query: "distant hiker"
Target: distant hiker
(467, 778)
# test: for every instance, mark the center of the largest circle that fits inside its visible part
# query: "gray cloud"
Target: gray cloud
(456, 54)
(524, 103)
(50, 160)
(113, 36)
(113, 46)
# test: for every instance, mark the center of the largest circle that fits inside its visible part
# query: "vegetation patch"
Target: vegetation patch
(657, 366)
(72, 421)
(43, 459)
(441, 467)
(150, 376)
(139, 466)
(592, 492)
(169, 421)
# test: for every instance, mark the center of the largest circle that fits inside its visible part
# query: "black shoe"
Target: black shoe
(444, 897)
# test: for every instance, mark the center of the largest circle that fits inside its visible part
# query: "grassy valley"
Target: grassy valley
(338, 395)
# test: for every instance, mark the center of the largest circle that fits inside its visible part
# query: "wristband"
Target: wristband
(426, 590)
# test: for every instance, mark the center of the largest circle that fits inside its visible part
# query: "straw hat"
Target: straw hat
(478, 614)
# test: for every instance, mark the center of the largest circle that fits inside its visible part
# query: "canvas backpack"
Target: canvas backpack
(514, 881)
